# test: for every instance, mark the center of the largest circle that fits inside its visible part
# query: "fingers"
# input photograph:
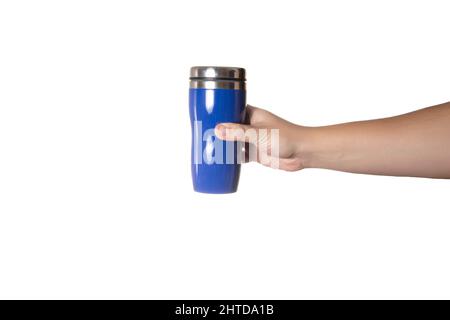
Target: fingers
(234, 132)
(256, 143)
(255, 139)
(244, 133)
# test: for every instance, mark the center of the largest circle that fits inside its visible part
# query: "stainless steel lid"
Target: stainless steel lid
(211, 77)
(225, 73)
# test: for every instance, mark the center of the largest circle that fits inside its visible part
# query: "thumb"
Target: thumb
(235, 132)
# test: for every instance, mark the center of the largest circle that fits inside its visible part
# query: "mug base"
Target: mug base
(214, 191)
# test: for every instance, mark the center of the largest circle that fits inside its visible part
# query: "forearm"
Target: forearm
(413, 144)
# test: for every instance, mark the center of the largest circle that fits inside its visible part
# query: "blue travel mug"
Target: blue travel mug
(216, 94)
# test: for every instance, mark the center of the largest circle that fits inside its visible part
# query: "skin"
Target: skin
(414, 144)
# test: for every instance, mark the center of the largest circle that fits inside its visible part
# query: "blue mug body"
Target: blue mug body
(215, 165)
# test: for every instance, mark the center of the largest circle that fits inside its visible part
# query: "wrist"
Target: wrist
(307, 143)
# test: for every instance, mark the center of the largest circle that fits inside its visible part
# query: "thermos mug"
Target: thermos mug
(216, 94)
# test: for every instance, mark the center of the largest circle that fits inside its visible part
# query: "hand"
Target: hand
(414, 144)
(262, 143)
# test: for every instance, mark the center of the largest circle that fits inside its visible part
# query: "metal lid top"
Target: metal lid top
(217, 73)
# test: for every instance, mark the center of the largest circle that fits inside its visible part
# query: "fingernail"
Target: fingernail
(222, 130)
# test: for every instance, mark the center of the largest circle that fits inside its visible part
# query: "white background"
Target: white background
(96, 198)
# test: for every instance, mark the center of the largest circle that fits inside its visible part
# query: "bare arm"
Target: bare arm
(413, 144)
